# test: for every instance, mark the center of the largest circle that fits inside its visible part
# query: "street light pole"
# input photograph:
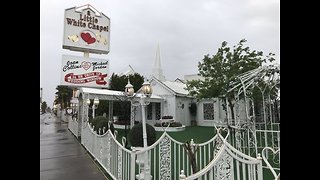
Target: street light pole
(144, 135)
(93, 111)
(146, 93)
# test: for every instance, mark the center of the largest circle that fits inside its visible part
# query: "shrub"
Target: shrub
(167, 117)
(100, 122)
(135, 135)
(125, 122)
(100, 125)
(165, 124)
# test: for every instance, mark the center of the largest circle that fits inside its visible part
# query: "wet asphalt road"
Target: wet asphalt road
(61, 155)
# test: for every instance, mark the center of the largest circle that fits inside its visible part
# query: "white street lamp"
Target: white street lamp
(96, 101)
(88, 102)
(129, 91)
(146, 93)
(146, 89)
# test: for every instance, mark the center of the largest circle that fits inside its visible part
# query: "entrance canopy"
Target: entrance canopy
(102, 94)
(105, 94)
(111, 96)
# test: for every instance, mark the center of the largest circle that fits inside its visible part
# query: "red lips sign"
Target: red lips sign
(88, 38)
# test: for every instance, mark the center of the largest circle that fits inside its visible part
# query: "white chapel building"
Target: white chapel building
(175, 101)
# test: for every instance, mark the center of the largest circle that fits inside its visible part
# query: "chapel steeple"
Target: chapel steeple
(157, 70)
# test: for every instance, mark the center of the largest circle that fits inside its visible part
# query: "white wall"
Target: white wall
(172, 105)
(167, 108)
(219, 113)
(183, 114)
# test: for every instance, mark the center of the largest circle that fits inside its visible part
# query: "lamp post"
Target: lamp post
(146, 93)
(74, 110)
(94, 106)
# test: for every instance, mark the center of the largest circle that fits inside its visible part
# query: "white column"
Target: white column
(93, 109)
(145, 145)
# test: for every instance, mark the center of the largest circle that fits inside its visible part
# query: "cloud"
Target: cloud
(185, 29)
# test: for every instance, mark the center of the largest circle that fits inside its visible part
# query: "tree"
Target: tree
(64, 96)
(102, 108)
(220, 69)
(122, 107)
(44, 106)
(118, 83)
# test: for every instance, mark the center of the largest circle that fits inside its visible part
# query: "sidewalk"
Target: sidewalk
(61, 155)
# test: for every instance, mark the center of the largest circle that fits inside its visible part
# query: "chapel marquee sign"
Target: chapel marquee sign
(86, 30)
(84, 72)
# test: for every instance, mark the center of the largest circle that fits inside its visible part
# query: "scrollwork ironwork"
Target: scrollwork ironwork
(224, 167)
(119, 163)
(108, 151)
(265, 159)
(208, 111)
(165, 160)
(217, 146)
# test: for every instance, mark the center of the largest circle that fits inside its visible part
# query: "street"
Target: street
(61, 155)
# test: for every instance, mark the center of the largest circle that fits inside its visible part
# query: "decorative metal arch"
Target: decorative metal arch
(256, 109)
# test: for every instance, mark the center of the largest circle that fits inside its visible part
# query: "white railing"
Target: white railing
(111, 155)
(215, 159)
(268, 138)
(273, 155)
(270, 126)
(229, 163)
(166, 155)
(73, 126)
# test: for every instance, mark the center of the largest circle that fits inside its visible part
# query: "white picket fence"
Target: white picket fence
(215, 159)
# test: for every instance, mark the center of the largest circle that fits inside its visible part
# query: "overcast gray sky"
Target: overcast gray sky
(185, 29)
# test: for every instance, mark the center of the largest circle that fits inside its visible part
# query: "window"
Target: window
(154, 111)
(208, 111)
(158, 111)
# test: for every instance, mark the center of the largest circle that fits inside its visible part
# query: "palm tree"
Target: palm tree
(64, 96)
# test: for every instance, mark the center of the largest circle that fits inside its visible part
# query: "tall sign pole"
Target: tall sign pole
(85, 30)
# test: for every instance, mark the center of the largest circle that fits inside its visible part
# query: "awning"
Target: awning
(105, 94)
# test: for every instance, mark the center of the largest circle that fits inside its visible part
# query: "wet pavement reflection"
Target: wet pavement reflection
(61, 155)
